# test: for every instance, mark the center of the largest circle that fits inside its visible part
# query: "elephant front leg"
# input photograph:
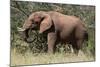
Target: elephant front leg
(51, 42)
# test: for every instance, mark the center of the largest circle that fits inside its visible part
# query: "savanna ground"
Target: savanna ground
(44, 58)
(23, 53)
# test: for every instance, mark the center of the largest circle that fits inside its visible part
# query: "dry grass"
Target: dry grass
(43, 58)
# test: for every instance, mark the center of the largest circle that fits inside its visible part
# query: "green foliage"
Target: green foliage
(20, 10)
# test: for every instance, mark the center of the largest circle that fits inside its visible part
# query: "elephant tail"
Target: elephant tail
(86, 35)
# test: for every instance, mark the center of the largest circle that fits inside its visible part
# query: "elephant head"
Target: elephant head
(37, 21)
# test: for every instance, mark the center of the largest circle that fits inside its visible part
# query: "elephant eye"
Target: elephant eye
(32, 20)
(35, 23)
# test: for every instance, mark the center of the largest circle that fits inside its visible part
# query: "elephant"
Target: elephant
(59, 28)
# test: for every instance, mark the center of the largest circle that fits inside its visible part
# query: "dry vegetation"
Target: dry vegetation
(44, 58)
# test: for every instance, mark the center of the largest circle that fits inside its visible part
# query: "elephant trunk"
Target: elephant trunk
(25, 35)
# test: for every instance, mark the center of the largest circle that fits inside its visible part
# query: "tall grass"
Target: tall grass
(44, 58)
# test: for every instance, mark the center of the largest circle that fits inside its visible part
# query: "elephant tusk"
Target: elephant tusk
(20, 29)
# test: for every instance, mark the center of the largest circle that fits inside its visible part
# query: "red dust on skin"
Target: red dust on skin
(67, 27)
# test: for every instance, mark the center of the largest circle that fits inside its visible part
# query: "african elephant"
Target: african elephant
(59, 28)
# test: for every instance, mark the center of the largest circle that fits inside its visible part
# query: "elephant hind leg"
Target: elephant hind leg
(77, 46)
(76, 50)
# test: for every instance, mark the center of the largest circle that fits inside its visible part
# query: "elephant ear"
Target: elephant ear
(45, 24)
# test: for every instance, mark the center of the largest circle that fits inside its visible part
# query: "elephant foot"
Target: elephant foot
(76, 51)
(50, 51)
